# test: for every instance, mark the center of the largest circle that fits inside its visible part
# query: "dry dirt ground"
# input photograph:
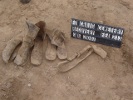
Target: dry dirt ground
(94, 78)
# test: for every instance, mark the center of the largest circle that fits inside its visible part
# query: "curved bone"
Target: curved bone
(68, 65)
(10, 47)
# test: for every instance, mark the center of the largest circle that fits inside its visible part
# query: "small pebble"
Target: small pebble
(29, 85)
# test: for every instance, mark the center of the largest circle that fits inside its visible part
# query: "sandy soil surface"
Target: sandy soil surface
(94, 78)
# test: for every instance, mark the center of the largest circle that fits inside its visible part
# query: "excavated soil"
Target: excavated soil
(94, 78)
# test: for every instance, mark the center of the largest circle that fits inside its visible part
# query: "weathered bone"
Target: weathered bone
(15, 52)
(99, 51)
(28, 42)
(41, 34)
(10, 47)
(79, 53)
(37, 52)
(68, 65)
(62, 52)
(50, 51)
(58, 38)
(77, 58)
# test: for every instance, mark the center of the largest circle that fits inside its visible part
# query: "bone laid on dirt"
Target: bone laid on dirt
(10, 47)
(14, 54)
(50, 51)
(62, 52)
(50, 33)
(57, 38)
(87, 48)
(68, 65)
(32, 30)
(41, 33)
(23, 53)
(59, 41)
(37, 53)
(28, 42)
(99, 51)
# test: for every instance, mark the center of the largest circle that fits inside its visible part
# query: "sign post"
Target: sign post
(98, 33)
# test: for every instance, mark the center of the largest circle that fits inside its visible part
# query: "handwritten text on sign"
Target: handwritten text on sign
(98, 33)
